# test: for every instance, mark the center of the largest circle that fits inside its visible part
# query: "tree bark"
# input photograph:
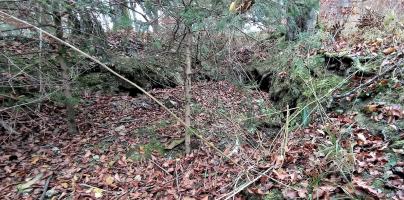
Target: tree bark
(187, 89)
(71, 122)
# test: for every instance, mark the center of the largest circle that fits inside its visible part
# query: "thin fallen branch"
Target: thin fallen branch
(168, 173)
(245, 185)
(176, 176)
(370, 81)
(45, 188)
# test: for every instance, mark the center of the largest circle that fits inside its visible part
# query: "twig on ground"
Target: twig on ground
(176, 176)
(168, 173)
(284, 148)
(245, 185)
(45, 188)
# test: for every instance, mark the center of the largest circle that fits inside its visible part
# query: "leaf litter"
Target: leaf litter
(337, 158)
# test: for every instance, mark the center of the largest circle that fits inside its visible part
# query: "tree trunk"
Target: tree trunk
(301, 17)
(187, 88)
(71, 122)
(41, 84)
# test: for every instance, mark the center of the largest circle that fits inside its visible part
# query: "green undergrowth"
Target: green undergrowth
(156, 70)
(295, 73)
(151, 144)
(97, 81)
(141, 152)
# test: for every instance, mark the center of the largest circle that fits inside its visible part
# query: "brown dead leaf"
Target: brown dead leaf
(371, 108)
(173, 143)
(109, 180)
(255, 190)
(293, 176)
(360, 184)
(65, 185)
(302, 193)
(323, 192)
(135, 195)
(265, 166)
(279, 161)
(88, 154)
(280, 174)
(362, 137)
(389, 50)
(116, 177)
(35, 159)
(264, 179)
(289, 193)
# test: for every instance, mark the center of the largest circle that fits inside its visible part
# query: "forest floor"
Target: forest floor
(130, 148)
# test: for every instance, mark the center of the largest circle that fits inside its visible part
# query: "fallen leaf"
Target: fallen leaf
(88, 154)
(302, 193)
(255, 191)
(362, 137)
(109, 180)
(64, 185)
(138, 178)
(97, 192)
(35, 159)
(371, 108)
(289, 193)
(360, 184)
(399, 151)
(26, 187)
(389, 50)
(281, 174)
(173, 143)
(116, 177)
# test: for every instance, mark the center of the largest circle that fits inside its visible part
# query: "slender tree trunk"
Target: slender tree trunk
(156, 26)
(301, 17)
(187, 88)
(71, 115)
(71, 122)
(41, 85)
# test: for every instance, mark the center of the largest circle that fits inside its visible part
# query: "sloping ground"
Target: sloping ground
(124, 151)
(117, 154)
